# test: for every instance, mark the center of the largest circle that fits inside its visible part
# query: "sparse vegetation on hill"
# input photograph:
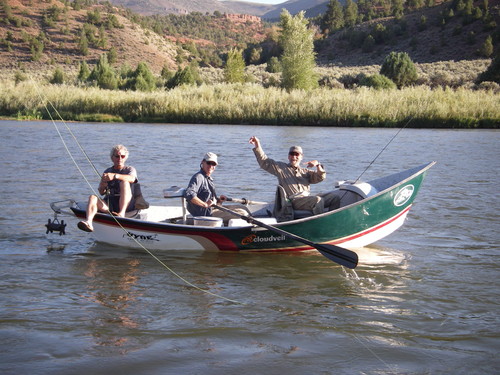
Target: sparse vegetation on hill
(451, 30)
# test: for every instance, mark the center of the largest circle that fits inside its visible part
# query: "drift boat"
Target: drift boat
(369, 211)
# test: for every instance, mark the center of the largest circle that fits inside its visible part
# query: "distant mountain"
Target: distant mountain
(162, 7)
(266, 11)
(247, 7)
(295, 6)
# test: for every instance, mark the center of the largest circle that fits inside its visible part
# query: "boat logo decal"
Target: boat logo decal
(253, 238)
(403, 195)
(141, 237)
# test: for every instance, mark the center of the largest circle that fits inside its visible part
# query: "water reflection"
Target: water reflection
(111, 289)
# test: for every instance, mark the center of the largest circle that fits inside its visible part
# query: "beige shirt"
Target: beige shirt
(295, 181)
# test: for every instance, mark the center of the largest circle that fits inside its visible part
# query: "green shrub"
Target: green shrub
(273, 65)
(83, 72)
(486, 49)
(399, 67)
(182, 77)
(377, 82)
(493, 72)
(57, 77)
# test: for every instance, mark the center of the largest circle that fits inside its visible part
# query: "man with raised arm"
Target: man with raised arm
(296, 180)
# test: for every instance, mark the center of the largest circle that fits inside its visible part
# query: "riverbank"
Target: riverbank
(417, 107)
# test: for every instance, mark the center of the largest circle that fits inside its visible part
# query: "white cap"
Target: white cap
(210, 156)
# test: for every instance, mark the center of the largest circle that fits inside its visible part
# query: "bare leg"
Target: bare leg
(94, 204)
(125, 197)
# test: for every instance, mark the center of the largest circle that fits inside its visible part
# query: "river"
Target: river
(424, 300)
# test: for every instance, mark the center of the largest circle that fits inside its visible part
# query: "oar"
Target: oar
(243, 201)
(336, 254)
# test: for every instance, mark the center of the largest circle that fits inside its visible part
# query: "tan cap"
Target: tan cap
(296, 149)
(210, 156)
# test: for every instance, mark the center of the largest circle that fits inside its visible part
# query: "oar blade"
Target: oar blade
(338, 255)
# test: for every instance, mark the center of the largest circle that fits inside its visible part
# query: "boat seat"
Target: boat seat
(283, 210)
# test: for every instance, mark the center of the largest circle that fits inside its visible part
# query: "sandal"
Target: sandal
(85, 226)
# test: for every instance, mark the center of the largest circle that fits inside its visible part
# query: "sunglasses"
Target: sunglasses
(212, 163)
(120, 156)
(294, 154)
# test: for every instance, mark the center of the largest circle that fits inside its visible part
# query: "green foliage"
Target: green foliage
(333, 19)
(493, 72)
(255, 55)
(422, 24)
(184, 76)
(36, 48)
(377, 81)
(112, 22)
(368, 44)
(220, 30)
(57, 77)
(94, 16)
(103, 75)
(234, 71)
(273, 65)
(142, 79)
(112, 55)
(20, 76)
(399, 67)
(83, 72)
(166, 73)
(350, 13)
(486, 49)
(83, 44)
(298, 58)
(102, 40)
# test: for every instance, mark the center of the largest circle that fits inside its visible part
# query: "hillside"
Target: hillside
(37, 33)
(295, 6)
(150, 7)
(427, 42)
(29, 27)
(266, 11)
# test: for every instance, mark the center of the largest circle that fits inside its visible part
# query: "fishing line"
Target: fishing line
(95, 193)
(356, 275)
(376, 157)
(140, 244)
(384, 148)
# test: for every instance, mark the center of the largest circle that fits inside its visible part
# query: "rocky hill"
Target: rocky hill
(425, 35)
(266, 11)
(39, 33)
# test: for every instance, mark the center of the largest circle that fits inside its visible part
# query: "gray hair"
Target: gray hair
(118, 148)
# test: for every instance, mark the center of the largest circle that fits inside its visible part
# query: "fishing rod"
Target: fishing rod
(55, 227)
(384, 148)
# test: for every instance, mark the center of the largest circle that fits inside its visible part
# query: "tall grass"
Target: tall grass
(252, 104)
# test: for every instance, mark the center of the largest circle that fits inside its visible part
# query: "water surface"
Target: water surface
(422, 301)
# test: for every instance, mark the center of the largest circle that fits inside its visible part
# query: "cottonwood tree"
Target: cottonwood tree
(234, 71)
(298, 57)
